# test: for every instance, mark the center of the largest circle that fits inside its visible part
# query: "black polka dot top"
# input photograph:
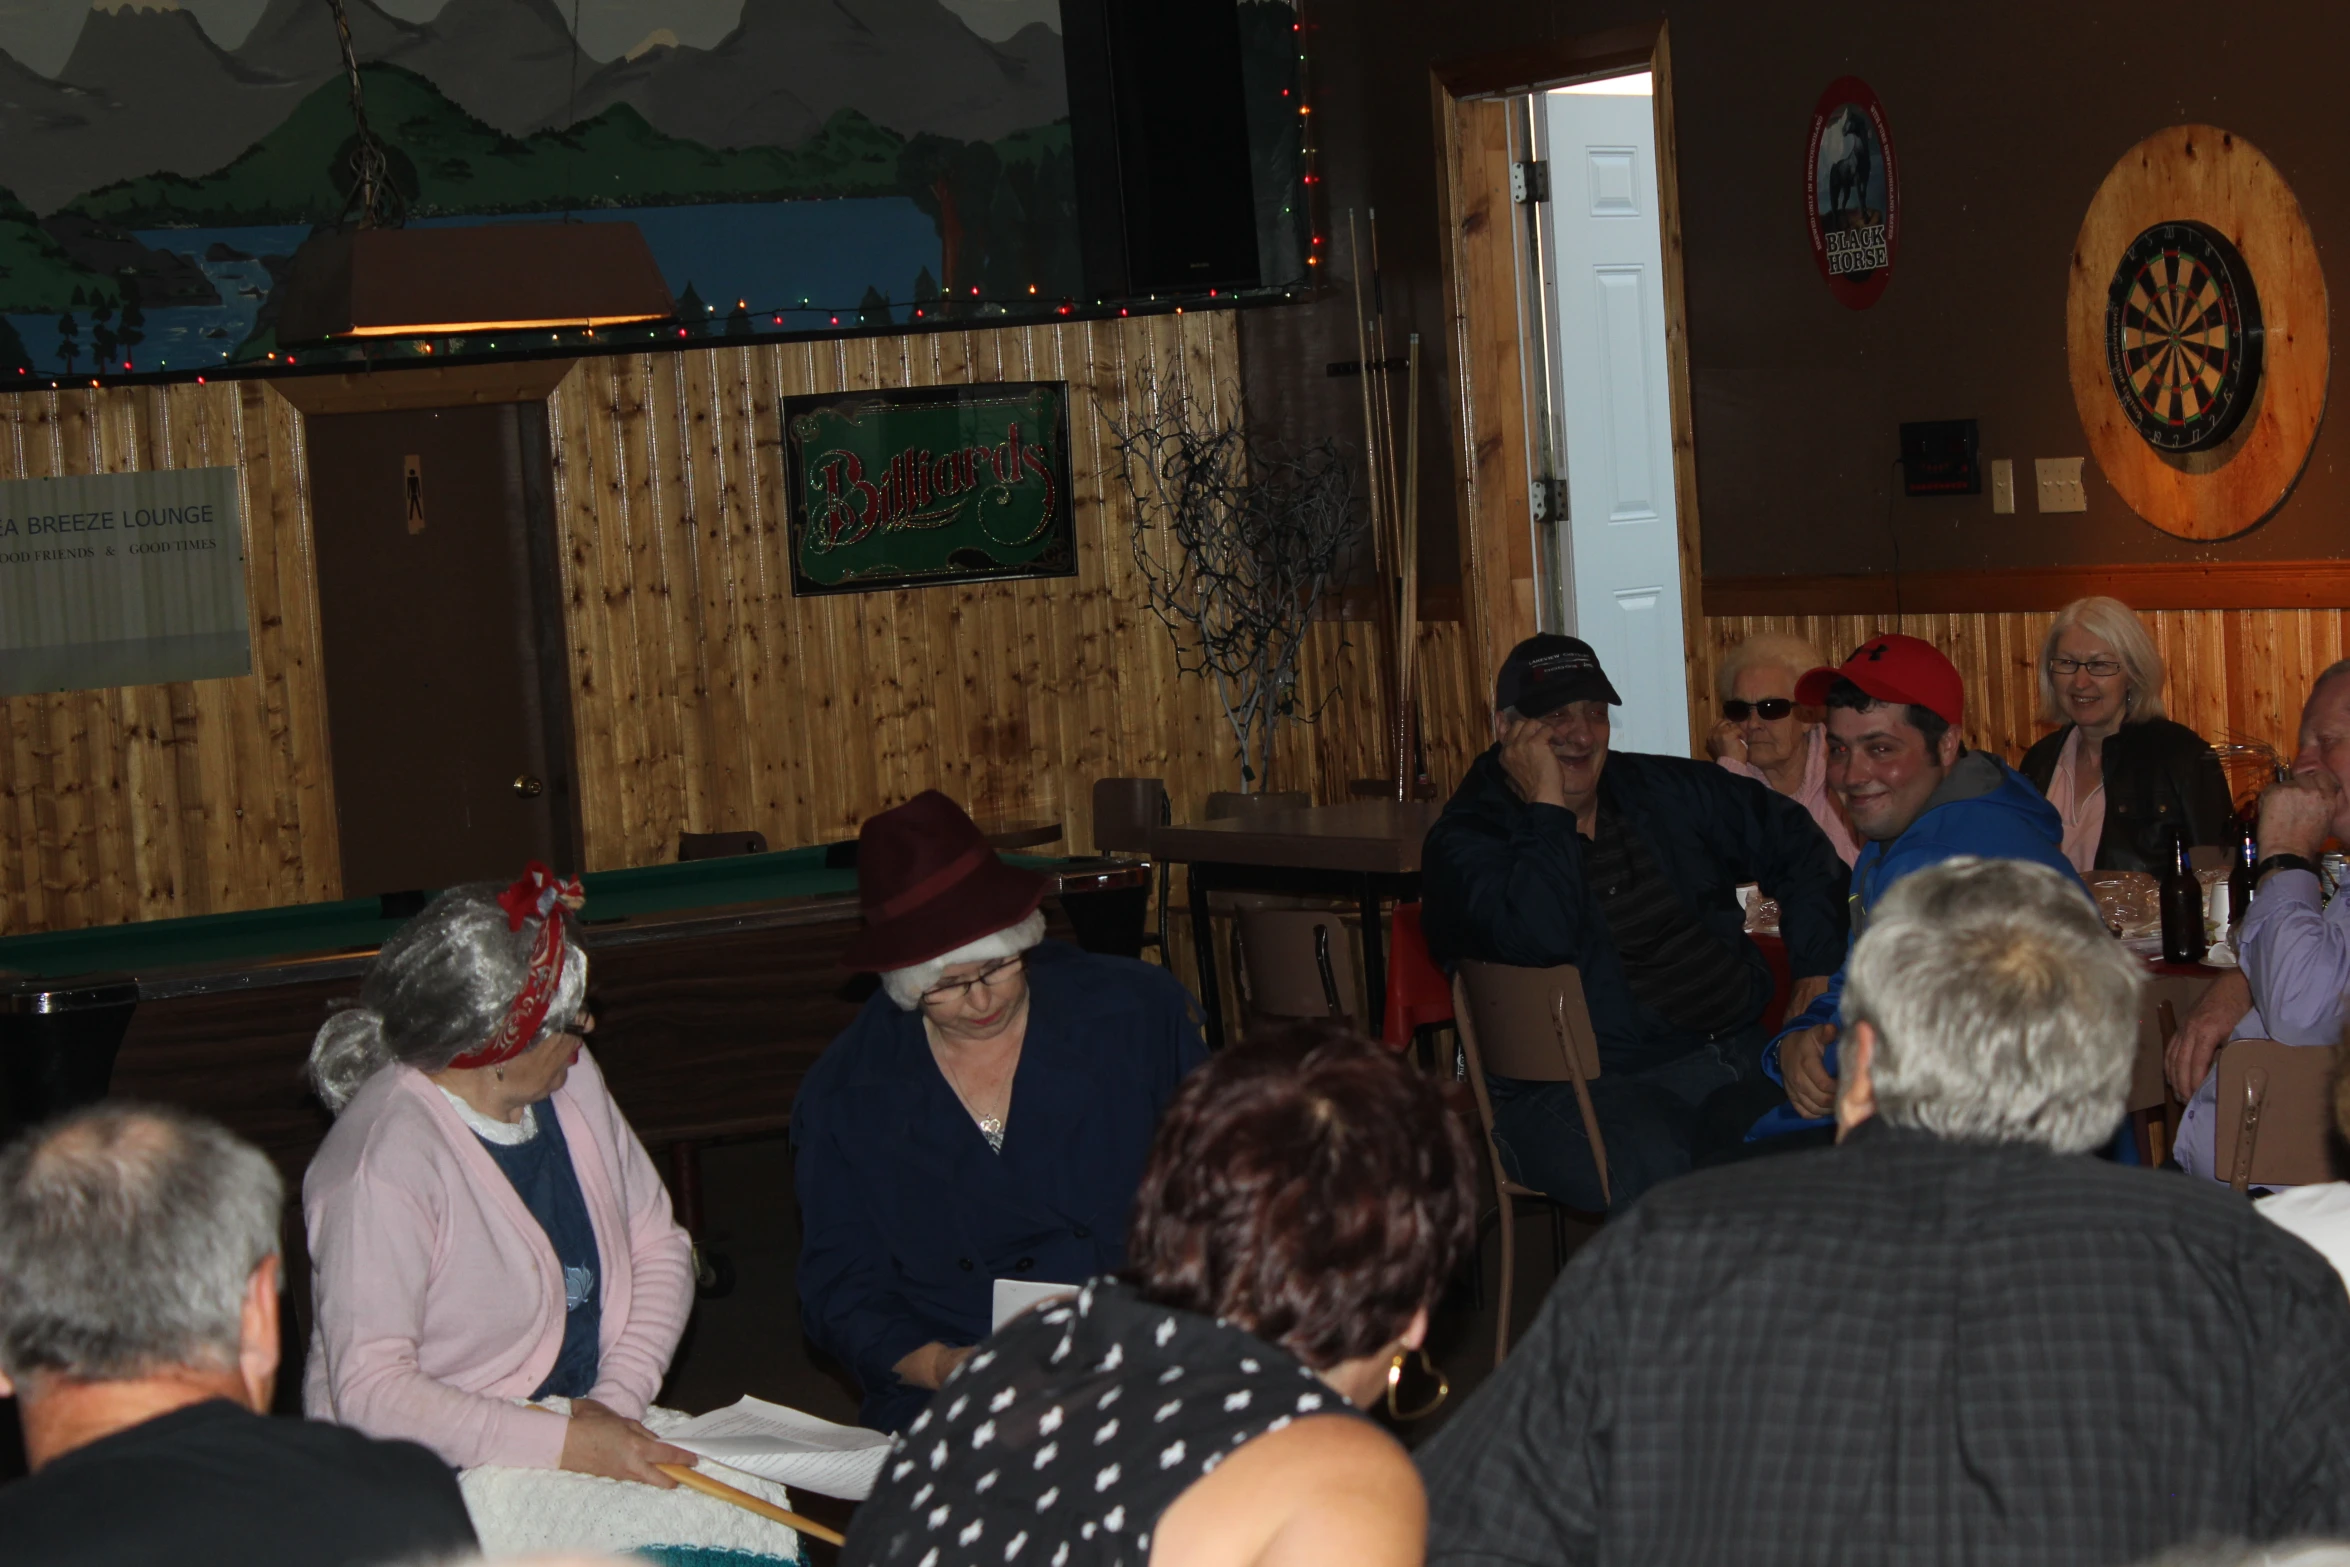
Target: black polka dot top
(1062, 1441)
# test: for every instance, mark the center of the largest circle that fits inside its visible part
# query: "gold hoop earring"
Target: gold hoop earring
(1427, 1368)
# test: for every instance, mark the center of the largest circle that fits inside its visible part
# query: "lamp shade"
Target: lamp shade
(489, 277)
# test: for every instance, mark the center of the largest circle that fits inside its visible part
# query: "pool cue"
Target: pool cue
(1382, 549)
(1408, 551)
(695, 1480)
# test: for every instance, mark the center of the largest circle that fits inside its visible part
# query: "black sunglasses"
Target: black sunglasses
(1770, 709)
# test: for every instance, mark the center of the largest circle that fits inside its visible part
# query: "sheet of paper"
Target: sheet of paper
(1013, 1296)
(788, 1447)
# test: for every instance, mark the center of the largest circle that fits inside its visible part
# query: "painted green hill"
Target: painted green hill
(37, 275)
(448, 163)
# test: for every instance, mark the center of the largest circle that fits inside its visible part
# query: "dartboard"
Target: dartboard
(2182, 336)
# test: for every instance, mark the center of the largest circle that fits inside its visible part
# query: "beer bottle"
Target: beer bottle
(2182, 904)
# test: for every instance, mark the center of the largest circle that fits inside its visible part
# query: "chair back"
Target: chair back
(1298, 963)
(2275, 1113)
(2167, 999)
(1227, 805)
(1125, 810)
(1519, 1016)
(719, 845)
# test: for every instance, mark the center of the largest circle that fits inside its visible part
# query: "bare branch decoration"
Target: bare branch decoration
(1237, 539)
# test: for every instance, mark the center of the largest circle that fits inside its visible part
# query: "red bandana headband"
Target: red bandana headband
(536, 894)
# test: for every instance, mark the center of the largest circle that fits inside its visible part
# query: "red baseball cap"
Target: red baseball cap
(1894, 668)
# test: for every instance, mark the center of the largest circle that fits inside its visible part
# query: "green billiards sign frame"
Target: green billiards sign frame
(921, 486)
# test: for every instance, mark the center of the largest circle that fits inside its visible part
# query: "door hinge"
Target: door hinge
(1548, 501)
(1529, 182)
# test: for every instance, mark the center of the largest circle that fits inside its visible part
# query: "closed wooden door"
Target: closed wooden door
(443, 645)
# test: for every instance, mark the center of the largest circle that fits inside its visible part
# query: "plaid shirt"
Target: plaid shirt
(1906, 1350)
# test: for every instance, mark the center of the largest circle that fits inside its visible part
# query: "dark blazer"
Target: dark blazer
(908, 1218)
(1503, 882)
(2157, 774)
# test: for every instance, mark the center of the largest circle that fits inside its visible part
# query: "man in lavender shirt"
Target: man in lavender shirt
(2295, 947)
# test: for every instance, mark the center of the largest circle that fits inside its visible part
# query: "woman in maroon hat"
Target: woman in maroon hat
(986, 1117)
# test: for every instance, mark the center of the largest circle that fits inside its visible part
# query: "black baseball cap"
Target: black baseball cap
(1546, 672)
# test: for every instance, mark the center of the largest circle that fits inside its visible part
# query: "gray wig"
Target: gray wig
(2004, 1010)
(905, 985)
(438, 988)
(128, 1236)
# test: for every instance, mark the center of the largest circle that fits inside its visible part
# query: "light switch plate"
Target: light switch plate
(2060, 484)
(2002, 485)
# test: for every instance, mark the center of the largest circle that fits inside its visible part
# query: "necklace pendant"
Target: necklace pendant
(991, 1127)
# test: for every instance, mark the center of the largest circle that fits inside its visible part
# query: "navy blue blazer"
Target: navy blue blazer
(907, 1216)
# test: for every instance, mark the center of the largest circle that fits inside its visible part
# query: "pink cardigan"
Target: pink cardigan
(438, 1296)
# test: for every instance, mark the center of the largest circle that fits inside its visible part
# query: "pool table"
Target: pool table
(715, 986)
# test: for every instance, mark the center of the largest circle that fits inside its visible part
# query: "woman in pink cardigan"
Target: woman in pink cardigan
(484, 1226)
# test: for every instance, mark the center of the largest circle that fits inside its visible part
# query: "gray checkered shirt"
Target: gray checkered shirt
(1911, 1351)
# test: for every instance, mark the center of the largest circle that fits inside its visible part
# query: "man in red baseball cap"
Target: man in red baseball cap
(1919, 796)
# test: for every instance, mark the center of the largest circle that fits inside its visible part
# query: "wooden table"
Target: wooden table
(1366, 849)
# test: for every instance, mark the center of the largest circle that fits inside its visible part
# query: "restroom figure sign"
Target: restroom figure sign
(412, 493)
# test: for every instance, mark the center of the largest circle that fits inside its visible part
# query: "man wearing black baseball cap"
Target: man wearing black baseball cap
(1555, 850)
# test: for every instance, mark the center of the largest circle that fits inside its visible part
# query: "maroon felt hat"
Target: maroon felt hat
(929, 883)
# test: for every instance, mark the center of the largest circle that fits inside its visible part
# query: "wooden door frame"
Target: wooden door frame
(1488, 293)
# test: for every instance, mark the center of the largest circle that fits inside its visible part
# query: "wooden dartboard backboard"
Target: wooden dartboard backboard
(2202, 175)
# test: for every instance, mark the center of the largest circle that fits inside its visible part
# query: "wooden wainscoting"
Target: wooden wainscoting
(2233, 674)
(153, 801)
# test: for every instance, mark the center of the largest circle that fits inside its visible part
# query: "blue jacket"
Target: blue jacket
(1503, 882)
(907, 1217)
(1985, 808)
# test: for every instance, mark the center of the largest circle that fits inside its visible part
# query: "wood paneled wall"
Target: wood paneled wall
(2233, 674)
(706, 697)
(152, 801)
(704, 694)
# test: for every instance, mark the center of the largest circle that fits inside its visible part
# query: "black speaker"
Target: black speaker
(1159, 133)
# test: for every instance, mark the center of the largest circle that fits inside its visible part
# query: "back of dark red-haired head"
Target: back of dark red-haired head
(1309, 1186)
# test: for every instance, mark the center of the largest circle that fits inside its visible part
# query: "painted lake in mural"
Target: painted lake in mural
(806, 261)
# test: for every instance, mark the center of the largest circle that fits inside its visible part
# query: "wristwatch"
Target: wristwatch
(2284, 862)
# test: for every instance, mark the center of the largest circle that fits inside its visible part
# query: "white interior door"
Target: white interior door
(1621, 574)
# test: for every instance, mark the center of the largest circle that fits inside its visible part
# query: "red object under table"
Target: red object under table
(1417, 992)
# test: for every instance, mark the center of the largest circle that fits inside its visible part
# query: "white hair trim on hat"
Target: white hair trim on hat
(905, 985)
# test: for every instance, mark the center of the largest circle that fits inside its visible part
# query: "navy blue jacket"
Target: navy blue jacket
(1503, 882)
(908, 1218)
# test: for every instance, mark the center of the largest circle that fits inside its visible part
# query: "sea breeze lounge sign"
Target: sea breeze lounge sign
(121, 579)
(925, 485)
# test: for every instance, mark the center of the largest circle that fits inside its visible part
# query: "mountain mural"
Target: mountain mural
(821, 164)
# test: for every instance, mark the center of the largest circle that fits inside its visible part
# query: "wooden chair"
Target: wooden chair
(2276, 1113)
(1530, 1024)
(2153, 1112)
(719, 845)
(1297, 963)
(1124, 812)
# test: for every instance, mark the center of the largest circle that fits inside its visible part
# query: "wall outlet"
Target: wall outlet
(2002, 485)
(2060, 484)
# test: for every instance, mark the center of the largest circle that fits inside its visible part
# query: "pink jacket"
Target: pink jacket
(438, 1296)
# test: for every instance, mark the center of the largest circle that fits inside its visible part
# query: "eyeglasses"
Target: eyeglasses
(2102, 668)
(957, 989)
(1770, 709)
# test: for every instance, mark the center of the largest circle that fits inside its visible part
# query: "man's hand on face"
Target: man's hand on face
(2297, 814)
(1810, 1087)
(1532, 768)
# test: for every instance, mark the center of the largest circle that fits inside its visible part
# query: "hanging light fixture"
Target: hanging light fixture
(371, 277)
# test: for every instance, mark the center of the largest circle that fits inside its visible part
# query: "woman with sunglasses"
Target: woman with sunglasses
(1307, 1199)
(2119, 772)
(1763, 735)
(986, 1117)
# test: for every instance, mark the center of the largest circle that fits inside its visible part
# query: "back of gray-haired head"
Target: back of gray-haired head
(128, 1234)
(439, 987)
(2004, 1010)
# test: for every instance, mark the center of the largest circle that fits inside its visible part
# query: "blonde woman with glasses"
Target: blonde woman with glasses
(2119, 772)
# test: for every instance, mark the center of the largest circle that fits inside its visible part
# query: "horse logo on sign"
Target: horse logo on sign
(1852, 192)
